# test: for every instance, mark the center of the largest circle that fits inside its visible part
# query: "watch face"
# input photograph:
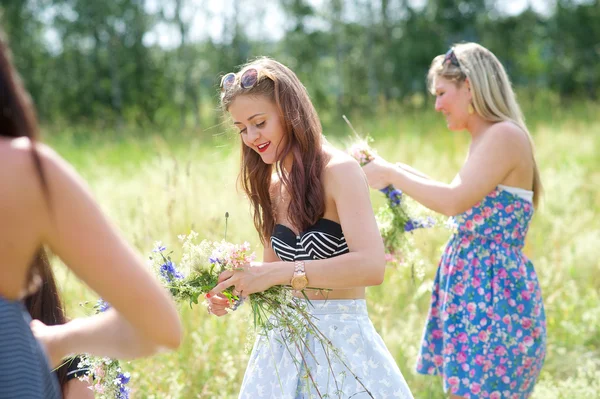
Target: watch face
(299, 282)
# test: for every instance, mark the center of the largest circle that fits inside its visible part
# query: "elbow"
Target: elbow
(170, 337)
(173, 342)
(454, 204)
(174, 338)
(451, 208)
(376, 273)
(377, 279)
(449, 211)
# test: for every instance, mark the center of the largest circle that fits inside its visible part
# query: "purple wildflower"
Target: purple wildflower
(168, 271)
(393, 194)
(124, 378)
(414, 224)
(121, 380)
(102, 305)
(159, 248)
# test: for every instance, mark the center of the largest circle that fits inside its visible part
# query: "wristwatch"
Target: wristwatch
(299, 280)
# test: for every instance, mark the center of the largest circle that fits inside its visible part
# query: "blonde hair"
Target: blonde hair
(493, 96)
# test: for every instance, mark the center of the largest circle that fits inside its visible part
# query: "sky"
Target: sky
(262, 20)
(208, 19)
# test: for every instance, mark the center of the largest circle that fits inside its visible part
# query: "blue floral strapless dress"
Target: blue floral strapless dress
(486, 329)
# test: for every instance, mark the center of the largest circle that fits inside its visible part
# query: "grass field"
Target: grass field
(156, 185)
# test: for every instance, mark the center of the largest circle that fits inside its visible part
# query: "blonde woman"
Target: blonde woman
(486, 331)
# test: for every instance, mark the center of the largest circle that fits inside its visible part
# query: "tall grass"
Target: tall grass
(158, 185)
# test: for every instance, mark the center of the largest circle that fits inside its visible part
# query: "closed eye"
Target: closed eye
(261, 124)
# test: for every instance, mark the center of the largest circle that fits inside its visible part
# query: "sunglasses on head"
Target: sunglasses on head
(249, 79)
(450, 58)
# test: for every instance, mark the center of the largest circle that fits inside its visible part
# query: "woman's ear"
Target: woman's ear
(467, 85)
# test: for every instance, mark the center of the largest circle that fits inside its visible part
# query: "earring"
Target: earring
(471, 110)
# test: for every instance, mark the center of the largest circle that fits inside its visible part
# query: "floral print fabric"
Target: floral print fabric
(486, 330)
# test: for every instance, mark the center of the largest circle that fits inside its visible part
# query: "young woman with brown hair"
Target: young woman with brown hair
(313, 213)
(44, 202)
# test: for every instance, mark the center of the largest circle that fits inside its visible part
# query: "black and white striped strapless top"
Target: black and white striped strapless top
(324, 239)
(24, 369)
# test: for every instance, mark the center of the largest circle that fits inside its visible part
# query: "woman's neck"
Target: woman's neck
(476, 126)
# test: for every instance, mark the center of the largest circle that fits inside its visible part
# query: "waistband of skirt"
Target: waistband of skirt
(336, 306)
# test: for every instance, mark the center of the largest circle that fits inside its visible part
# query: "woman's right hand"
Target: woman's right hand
(218, 304)
(49, 338)
(378, 173)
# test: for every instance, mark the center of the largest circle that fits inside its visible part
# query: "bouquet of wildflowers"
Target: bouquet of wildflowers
(393, 219)
(106, 377)
(200, 266)
(276, 308)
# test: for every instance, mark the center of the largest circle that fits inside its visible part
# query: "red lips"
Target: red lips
(263, 148)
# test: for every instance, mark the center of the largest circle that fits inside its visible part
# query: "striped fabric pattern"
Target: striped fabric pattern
(323, 240)
(24, 369)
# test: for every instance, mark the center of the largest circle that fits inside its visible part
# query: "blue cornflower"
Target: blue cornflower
(123, 390)
(413, 224)
(102, 305)
(124, 378)
(168, 271)
(237, 304)
(159, 248)
(393, 194)
(429, 222)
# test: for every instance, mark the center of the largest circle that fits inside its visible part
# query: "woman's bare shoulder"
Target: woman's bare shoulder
(339, 163)
(342, 169)
(18, 150)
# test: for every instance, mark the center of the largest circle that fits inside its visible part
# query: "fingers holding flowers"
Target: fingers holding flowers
(225, 275)
(218, 304)
(378, 173)
(248, 279)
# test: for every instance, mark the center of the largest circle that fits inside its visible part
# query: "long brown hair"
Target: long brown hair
(45, 303)
(18, 119)
(493, 96)
(303, 140)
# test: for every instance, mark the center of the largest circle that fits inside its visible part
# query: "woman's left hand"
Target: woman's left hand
(49, 337)
(378, 172)
(250, 278)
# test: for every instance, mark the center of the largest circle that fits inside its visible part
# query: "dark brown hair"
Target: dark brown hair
(302, 138)
(45, 303)
(18, 119)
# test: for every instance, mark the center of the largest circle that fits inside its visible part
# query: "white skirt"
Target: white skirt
(277, 371)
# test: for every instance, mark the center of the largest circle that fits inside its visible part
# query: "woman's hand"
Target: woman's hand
(218, 304)
(50, 338)
(378, 173)
(251, 278)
